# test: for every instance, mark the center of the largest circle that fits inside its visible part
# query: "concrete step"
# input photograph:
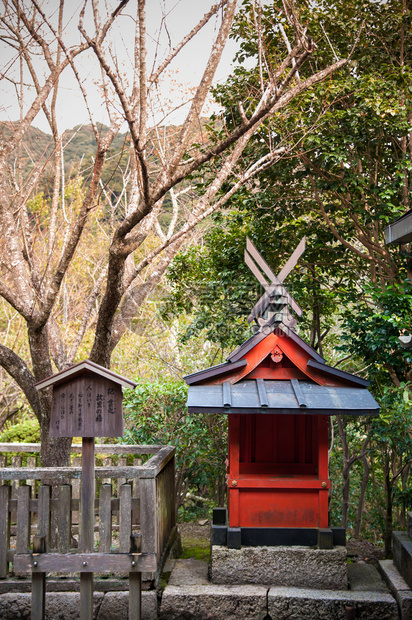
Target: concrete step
(398, 587)
(189, 596)
(287, 603)
(59, 605)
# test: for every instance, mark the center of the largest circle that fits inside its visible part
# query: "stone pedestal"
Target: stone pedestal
(190, 596)
(300, 567)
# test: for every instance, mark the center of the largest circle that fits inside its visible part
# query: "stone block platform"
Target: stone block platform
(189, 596)
(301, 567)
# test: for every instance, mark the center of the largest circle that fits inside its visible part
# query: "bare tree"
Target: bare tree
(45, 251)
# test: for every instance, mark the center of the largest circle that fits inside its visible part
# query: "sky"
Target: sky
(180, 17)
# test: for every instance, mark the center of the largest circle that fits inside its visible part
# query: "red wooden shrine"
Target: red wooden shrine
(278, 463)
(278, 394)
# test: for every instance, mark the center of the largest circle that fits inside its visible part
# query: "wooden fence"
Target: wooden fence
(135, 514)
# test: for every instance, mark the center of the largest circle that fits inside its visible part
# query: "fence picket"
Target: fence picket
(105, 518)
(3, 463)
(44, 513)
(125, 529)
(64, 526)
(5, 495)
(136, 494)
(122, 463)
(148, 521)
(107, 462)
(77, 462)
(16, 462)
(23, 519)
(32, 462)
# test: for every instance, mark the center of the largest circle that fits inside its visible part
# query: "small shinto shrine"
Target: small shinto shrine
(278, 394)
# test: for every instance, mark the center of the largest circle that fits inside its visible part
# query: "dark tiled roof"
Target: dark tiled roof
(266, 396)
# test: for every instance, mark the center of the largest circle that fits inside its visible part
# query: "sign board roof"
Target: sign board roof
(80, 368)
(87, 401)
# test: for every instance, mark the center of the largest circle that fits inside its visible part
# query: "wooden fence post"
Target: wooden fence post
(87, 525)
(38, 587)
(135, 583)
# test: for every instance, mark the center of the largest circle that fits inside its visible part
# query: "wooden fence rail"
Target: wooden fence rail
(134, 507)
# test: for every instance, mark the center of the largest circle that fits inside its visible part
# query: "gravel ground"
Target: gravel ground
(364, 551)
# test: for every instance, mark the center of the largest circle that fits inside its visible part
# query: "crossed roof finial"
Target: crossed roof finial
(271, 307)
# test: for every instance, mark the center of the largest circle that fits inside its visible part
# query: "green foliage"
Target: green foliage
(391, 443)
(347, 177)
(26, 431)
(215, 287)
(371, 331)
(344, 181)
(203, 284)
(373, 522)
(391, 429)
(156, 413)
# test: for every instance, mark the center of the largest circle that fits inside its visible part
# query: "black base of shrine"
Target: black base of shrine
(237, 537)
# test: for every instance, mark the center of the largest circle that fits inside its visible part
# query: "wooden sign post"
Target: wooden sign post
(87, 403)
(87, 525)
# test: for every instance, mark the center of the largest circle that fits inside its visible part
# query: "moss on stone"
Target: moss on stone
(193, 547)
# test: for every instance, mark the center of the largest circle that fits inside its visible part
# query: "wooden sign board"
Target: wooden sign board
(87, 406)
(87, 401)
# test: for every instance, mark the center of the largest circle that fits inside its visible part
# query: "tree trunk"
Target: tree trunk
(387, 536)
(345, 494)
(55, 452)
(345, 471)
(364, 484)
(404, 480)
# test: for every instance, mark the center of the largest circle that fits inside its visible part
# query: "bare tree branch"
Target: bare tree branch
(207, 16)
(20, 372)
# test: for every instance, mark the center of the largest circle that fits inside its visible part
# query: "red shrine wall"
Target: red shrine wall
(278, 471)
